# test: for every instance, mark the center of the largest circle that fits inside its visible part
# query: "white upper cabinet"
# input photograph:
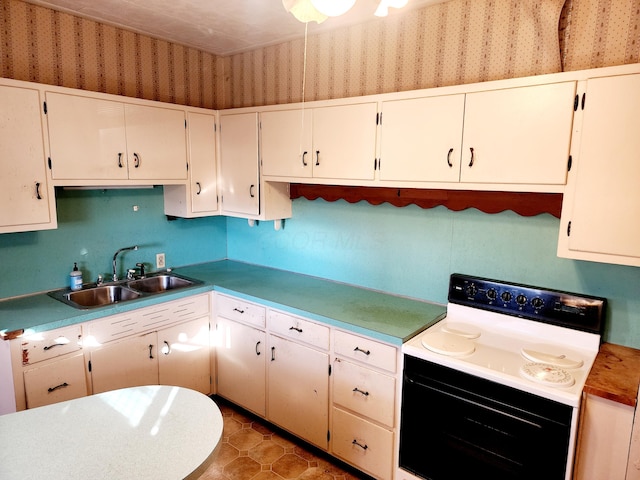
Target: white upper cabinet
(199, 196)
(93, 140)
(601, 208)
(239, 163)
(421, 139)
(508, 136)
(320, 144)
(287, 145)
(518, 135)
(26, 200)
(245, 193)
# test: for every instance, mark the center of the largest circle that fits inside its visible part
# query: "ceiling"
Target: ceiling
(221, 27)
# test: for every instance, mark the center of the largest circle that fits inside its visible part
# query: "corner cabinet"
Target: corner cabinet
(321, 144)
(601, 206)
(198, 197)
(507, 136)
(95, 139)
(27, 199)
(244, 191)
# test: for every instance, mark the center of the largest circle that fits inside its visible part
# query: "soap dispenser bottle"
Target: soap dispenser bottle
(75, 278)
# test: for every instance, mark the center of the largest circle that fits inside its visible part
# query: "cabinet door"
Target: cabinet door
(183, 357)
(285, 137)
(129, 363)
(299, 390)
(518, 135)
(421, 139)
(606, 202)
(24, 197)
(86, 137)
(344, 142)
(239, 163)
(55, 381)
(202, 162)
(241, 356)
(156, 143)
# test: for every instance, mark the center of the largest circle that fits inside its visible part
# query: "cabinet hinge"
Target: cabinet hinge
(569, 229)
(44, 106)
(569, 163)
(89, 365)
(49, 162)
(584, 98)
(576, 101)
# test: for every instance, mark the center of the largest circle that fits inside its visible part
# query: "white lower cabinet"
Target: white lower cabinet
(56, 381)
(277, 365)
(364, 403)
(298, 397)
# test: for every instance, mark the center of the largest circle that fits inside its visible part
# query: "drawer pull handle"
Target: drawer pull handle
(472, 157)
(38, 196)
(257, 351)
(273, 353)
(366, 394)
(199, 188)
(304, 162)
(120, 160)
(166, 348)
(238, 310)
(317, 157)
(355, 442)
(53, 389)
(150, 351)
(358, 349)
(299, 330)
(49, 347)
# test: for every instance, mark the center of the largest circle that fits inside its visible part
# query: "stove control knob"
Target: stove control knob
(492, 294)
(537, 303)
(521, 300)
(506, 297)
(471, 290)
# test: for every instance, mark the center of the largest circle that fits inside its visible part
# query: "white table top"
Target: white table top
(152, 432)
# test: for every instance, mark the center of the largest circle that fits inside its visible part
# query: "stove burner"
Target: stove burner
(448, 344)
(462, 329)
(556, 356)
(546, 374)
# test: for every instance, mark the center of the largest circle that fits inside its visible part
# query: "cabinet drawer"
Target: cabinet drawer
(365, 350)
(299, 329)
(240, 310)
(55, 381)
(364, 391)
(363, 444)
(45, 345)
(148, 318)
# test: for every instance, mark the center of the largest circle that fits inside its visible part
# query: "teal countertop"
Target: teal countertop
(386, 317)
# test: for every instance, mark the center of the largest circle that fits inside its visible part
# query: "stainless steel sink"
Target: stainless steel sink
(159, 283)
(96, 296)
(93, 296)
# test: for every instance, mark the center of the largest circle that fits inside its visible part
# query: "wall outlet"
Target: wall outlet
(160, 263)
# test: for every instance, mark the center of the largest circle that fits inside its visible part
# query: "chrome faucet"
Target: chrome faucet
(115, 275)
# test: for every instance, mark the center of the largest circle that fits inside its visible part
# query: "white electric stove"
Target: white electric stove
(521, 351)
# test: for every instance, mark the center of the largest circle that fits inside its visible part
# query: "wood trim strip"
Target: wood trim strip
(526, 204)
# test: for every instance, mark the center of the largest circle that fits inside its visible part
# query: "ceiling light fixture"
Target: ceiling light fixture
(383, 7)
(304, 11)
(333, 8)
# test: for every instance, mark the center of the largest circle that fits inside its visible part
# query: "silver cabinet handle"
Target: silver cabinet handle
(199, 188)
(304, 162)
(251, 191)
(358, 349)
(361, 392)
(355, 442)
(258, 351)
(449, 157)
(53, 389)
(472, 157)
(317, 157)
(120, 160)
(167, 348)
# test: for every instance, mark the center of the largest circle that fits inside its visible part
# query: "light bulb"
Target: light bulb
(333, 8)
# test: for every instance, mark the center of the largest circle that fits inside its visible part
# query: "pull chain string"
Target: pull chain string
(304, 83)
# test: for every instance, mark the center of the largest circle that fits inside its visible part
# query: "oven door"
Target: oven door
(458, 426)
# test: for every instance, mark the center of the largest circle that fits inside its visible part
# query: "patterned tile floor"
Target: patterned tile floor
(252, 449)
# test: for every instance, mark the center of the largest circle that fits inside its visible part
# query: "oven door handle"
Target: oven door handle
(468, 401)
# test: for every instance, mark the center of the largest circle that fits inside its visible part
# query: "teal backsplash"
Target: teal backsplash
(411, 251)
(407, 251)
(92, 225)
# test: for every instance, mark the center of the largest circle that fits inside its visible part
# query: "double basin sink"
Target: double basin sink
(94, 296)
